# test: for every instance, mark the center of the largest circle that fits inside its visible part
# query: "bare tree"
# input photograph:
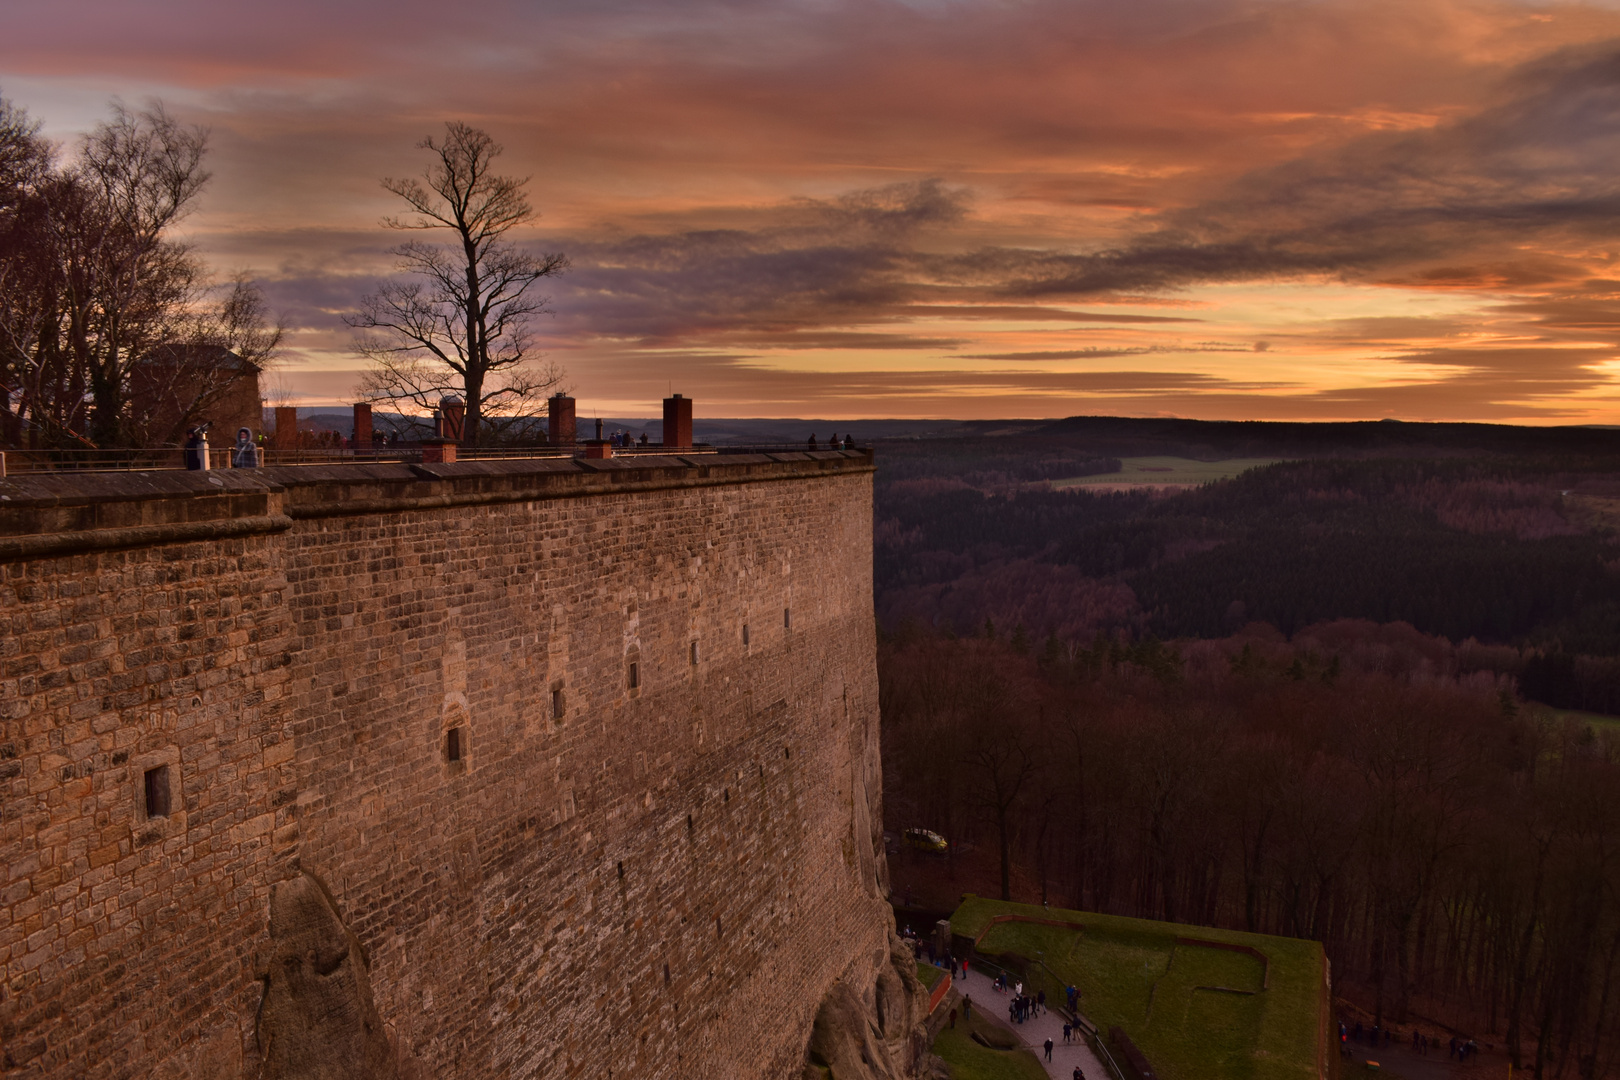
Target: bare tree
(126, 287)
(1000, 750)
(176, 384)
(89, 280)
(27, 162)
(460, 323)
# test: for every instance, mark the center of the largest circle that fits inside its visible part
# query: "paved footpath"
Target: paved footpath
(1034, 1031)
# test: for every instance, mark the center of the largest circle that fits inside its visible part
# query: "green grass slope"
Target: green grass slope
(970, 1061)
(1183, 1005)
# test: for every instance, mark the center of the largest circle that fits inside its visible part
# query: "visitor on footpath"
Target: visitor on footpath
(967, 1007)
(1049, 1048)
(1066, 1034)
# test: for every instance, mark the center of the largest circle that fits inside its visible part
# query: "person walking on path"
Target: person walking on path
(967, 1006)
(1048, 1048)
(1035, 1030)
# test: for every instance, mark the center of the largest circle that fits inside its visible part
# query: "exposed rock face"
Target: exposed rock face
(318, 1021)
(873, 1032)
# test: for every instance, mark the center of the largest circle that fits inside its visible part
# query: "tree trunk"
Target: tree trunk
(1002, 831)
(474, 421)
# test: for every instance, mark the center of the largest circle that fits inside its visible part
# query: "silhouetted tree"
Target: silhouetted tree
(459, 320)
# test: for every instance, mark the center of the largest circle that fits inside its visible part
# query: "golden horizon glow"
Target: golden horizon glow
(1339, 210)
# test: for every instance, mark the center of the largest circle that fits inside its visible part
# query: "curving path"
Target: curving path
(1035, 1031)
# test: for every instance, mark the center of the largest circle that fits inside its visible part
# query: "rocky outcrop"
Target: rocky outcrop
(873, 1029)
(317, 1021)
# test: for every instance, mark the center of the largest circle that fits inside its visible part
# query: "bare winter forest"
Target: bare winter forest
(1330, 698)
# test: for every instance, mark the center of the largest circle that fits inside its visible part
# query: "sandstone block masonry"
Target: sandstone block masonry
(498, 769)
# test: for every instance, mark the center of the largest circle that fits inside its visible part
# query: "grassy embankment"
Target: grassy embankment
(970, 1061)
(1161, 470)
(1180, 1004)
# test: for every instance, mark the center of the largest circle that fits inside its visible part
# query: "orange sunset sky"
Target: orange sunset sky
(934, 208)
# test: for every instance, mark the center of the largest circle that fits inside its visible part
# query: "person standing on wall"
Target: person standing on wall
(245, 455)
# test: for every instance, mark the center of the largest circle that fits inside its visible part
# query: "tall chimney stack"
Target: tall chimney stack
(678, 421)
(453, 415)
(362, 426)
(286, 436)
(561, 410)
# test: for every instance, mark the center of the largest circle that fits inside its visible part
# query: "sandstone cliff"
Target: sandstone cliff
(873, 1030)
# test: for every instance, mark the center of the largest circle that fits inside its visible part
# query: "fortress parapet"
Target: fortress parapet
(498, 768)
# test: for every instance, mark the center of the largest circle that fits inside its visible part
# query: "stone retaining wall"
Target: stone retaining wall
(605, 873)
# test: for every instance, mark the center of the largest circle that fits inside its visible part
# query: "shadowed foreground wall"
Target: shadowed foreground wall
(658, 879)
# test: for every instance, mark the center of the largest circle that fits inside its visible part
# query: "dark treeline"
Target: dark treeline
(1379, 790)
(111, 333)
(1509, 549)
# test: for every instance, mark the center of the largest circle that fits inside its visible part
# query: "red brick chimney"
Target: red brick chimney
(286, 436)
(362, 427)
(452, 417)
(678, 421)
(562, 430)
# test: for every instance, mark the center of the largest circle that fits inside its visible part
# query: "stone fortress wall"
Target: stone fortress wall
(493, 769)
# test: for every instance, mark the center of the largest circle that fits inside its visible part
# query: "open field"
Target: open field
(1198, 1013)
(1598, 721)
(1164, 471)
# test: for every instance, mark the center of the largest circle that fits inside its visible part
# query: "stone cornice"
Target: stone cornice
(48, 515)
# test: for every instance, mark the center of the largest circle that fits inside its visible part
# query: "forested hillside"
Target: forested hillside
(1314, 699)
(1456, 851)
(1507, 539)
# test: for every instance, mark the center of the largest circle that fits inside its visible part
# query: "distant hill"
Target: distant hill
(1213, 439)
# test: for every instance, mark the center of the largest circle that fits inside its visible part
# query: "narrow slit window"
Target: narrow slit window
(694, 654)
(453, 747)
(745, 635)
(635, 674)
(157, 792)
(557, 704)
(787, 618)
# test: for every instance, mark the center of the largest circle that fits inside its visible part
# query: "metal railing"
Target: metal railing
(1090, 1030)
(16, 462)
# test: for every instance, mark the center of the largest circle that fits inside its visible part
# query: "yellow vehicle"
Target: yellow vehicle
(927, 840)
